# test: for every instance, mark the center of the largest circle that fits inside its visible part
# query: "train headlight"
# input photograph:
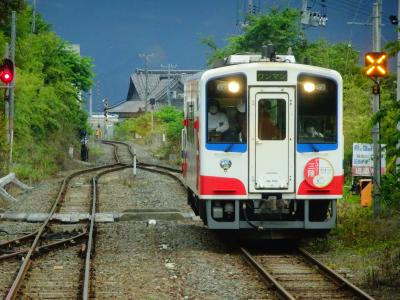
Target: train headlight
(233, 87)
(309, 87)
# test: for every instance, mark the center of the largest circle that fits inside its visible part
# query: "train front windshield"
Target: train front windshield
(317, 110)
(226, 110)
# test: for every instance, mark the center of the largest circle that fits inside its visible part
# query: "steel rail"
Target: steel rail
(116, 158)
(33, 234)
(160, 167)
(343, 282)
(143, 163)
(17, 240)
(90, 243)
(283, 293)
(46, 247)
(12, 293)
(153, 168)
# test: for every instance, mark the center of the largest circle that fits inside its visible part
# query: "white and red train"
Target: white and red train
(262, 145)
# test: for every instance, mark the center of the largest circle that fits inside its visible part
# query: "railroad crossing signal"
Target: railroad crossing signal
(376, 89)
(7, 71)
(376, 64)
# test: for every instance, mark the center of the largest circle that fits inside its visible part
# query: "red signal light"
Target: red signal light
(7, 71)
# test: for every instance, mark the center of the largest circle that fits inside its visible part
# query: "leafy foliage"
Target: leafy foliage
(278, 27)
(48, 113)
(168, 120)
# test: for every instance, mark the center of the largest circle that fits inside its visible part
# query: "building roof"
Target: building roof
(128, 107)
(158, 84)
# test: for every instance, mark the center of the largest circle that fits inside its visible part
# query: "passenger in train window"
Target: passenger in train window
(217, 122)
(311, 130)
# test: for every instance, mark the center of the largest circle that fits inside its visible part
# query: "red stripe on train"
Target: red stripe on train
(211, 185)
(334, 188)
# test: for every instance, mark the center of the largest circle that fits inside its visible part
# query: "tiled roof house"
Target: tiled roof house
(159, 83)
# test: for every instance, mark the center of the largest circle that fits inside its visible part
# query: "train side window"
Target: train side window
(227, 110)
(272, 119)
(317, 110)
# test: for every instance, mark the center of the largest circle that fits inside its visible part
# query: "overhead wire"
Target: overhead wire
(366, 8)
(351, 36)
(349, 7)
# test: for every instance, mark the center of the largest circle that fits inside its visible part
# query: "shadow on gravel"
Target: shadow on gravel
(233, 241)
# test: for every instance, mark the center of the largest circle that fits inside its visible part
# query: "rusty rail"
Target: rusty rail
(12, 293)
(283, 292)
(340, 280)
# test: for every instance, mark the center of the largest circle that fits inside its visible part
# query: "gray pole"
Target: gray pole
(376, 44)
(146, 92)
(169, 67)
(169, 85)
(7, 96)
(11, 120)
(398, 82)
(33, 16)
(90, 102)
(146, 57)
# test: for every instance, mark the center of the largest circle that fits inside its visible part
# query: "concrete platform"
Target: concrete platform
(105, 217)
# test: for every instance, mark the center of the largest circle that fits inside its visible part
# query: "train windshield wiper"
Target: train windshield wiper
(229, 147)
(315, 149)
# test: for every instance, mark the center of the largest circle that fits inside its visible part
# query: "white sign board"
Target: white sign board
(363, 162)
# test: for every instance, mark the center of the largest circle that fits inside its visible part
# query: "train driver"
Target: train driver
(217, 121)
(267, 130)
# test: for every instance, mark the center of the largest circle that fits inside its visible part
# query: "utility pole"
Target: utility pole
(398, 82)
(376, 45)
(252, 9)
(7, 97)
(146, 57)
(33, 16)
(169, 67)
(90, 102)
(12, 89)
(105, 110)
(313, 18)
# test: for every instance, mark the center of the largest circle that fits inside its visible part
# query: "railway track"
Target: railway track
(298, 275)
(41, 242)
(31, 247)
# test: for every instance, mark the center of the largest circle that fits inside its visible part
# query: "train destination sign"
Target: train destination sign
(271, 75)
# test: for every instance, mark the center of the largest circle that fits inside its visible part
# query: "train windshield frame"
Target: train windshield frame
(317, 110)
(226, 107)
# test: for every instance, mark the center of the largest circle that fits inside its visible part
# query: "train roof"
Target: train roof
(247, 61)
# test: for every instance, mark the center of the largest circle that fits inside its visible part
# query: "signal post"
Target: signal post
(376, 67)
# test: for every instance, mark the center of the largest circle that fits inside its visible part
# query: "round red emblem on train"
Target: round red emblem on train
(318, 172)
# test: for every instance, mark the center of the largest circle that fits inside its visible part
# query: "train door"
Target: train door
(271, 144)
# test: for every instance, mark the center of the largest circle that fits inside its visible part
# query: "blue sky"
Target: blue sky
(113, 33)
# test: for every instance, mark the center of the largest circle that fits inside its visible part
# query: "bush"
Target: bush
(390, 189)
(168, 120)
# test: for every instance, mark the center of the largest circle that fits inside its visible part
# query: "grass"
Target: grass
(360, 241)
(95, 151)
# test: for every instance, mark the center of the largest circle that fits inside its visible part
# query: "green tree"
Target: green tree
(48, 112)
(281, 28)
(340, 57)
